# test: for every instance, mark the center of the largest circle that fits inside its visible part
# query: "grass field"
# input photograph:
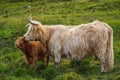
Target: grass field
(51, 12)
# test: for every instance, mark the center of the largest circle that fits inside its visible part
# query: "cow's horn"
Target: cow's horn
(30, 20)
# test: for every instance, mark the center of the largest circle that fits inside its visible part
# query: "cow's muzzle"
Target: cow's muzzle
(25, 40)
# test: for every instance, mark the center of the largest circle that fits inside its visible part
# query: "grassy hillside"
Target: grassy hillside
(67, 12)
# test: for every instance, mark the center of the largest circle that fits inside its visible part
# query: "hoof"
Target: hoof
(103, 72)
(56, 65)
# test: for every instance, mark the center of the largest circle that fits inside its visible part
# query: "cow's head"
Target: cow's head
(34, 29)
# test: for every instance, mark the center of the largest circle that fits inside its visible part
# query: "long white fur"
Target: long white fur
(76, 42)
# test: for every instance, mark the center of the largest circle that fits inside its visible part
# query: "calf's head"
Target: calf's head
(19, 43)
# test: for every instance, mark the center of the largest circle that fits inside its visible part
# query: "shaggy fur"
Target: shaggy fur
(76, 42)
(33, 51)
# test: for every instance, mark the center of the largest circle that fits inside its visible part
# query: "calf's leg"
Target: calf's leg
(35, 60)
(27, 60)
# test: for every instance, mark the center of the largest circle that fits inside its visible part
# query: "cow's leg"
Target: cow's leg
(103, 65)
(96, 58)
(100, 53)
(57, 58)
(47, 59)
(27, 61)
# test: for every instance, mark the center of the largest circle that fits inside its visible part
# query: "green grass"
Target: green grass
(68, 12)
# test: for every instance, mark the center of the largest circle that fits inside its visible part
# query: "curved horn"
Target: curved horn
(30, 17)
(30, 20)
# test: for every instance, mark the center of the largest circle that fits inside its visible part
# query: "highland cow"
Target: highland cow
(76, 42)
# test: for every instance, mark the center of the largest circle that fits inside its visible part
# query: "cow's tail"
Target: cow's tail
(110, 53)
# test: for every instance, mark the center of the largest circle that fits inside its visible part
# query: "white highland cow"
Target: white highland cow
(76, 42)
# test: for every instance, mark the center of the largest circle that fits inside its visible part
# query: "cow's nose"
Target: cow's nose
(24, 39)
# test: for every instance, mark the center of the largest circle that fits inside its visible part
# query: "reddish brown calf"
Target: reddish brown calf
(33, 51)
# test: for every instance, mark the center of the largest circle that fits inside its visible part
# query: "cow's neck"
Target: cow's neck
(46, 35)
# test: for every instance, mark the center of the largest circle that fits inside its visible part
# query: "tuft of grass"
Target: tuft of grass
(69, 76)
(50, 73)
